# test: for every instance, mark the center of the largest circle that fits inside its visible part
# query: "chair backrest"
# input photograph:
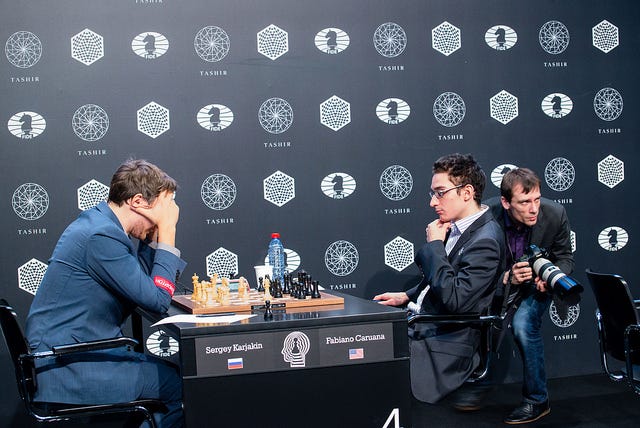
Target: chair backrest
(617, 310)
(17, 345)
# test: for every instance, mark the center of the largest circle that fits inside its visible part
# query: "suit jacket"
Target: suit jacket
(443, 357)
(551, 232)
(96, 277)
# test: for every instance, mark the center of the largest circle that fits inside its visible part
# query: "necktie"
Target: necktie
(454, 235)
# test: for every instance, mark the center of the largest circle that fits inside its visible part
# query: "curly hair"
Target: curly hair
(462, 170)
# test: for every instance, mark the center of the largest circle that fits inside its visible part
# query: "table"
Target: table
(337, 366)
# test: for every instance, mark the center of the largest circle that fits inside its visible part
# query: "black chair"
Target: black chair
(618, 327)
(23, 361)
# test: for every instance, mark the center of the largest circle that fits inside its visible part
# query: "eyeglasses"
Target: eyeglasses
(439, 194)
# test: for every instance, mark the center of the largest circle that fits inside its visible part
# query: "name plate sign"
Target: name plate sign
(293, 349)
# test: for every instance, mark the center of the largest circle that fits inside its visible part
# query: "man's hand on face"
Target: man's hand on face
(437, 230)
(164, 214)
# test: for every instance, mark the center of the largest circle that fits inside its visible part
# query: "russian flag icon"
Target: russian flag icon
(235, 363)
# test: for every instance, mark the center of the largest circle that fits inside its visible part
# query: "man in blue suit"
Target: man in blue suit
(461, 263)
(113, 258)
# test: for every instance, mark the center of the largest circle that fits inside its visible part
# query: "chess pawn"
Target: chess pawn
(260, 284)
(268, 313)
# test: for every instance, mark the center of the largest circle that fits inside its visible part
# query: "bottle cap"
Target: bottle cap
(275, 235)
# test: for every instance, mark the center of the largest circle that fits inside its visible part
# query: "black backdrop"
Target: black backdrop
(71, 66)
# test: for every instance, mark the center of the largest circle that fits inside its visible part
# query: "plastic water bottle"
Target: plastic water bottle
(276, 257)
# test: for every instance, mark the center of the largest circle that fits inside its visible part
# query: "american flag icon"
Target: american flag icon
(356, 354)
(235, 363)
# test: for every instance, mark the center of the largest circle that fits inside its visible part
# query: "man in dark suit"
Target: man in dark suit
(526, 218)
(96, 277)
(461, 263)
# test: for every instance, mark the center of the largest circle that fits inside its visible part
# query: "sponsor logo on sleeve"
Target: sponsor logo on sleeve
(165, 284)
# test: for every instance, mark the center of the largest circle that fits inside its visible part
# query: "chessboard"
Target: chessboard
(250, 301)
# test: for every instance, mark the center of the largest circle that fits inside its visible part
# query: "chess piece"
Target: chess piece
(267, 287)
(308, 285)
(286, 287)
(260, 285)
(315, 293)
(242, 290)
(268, 313)
(302, 276)
(277, 289)
(223, 291)
(194, 282)
(211, 296)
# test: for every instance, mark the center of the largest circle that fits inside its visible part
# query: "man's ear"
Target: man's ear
(138, 201)
(469, 192)
(505, 204)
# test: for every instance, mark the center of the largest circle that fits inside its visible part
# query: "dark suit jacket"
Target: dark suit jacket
(551, 232)
(442, 358)
(95, 278)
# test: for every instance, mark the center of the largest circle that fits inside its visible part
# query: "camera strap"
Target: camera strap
(510, 298)
(505, 299)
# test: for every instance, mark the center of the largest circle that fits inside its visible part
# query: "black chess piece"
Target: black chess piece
(308, 286)
(260, 285)
(301, 293)
(277, 289)
(286, 287)
(268, 313)
(302, 276)
(315, 294)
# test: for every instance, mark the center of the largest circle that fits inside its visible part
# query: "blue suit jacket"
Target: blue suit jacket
(96, 276)
(443, 357)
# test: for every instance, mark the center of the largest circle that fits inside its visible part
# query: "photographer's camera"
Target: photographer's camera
(565, 287)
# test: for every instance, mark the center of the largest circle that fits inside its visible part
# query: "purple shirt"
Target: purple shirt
(517, 235)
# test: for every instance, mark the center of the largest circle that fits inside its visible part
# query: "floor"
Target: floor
(591, 401)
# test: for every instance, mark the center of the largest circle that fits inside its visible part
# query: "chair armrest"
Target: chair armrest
(453, 319)
(93, 345)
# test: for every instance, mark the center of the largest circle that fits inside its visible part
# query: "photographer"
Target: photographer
(527, 219)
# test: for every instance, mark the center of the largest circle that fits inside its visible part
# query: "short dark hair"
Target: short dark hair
(139, 176)
(518, 176)
(462, 170)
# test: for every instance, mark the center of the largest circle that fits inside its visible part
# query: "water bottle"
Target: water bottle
(276, 257)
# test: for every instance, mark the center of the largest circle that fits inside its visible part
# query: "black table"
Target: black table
(333, 366)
